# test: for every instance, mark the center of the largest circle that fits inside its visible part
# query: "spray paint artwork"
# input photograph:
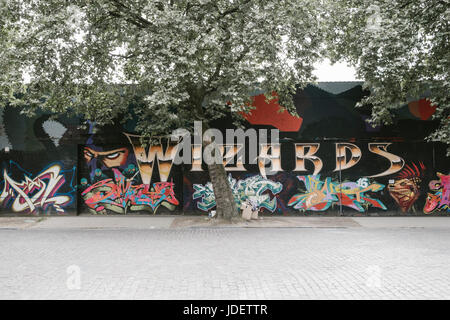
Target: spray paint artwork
(439, 197)
(254, 189)
(120, 174)
(39, 193)
(320, 195)
(120, 196)
(405, 190)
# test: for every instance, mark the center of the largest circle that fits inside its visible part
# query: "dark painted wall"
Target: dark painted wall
(50, 166)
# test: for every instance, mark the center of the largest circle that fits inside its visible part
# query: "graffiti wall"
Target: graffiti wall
(364, 179)
(38, 163)
(329, 162)
(51, 189)
(121, 174)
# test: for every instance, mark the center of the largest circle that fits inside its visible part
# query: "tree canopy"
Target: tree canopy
(199, 59)
(401, 49)
(187, 59)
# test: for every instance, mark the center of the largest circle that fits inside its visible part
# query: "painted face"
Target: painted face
(405, 192)
(110, 158)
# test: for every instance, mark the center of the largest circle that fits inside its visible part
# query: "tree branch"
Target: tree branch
(131, 17)
(234, 9)
(229, 11)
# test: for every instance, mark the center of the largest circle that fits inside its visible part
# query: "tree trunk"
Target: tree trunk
(225, 205)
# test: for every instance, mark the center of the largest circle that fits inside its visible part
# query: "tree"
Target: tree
(400, 48)
(187, 59)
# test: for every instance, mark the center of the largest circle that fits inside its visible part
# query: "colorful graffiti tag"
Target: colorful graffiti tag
(40, 192)
(321, 195)
(120, 174)
(252, 189)
(406, 188)
(440, 199)
(121, 196)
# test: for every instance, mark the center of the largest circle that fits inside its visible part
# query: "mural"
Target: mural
(321, 195)
(268, 112)
(121, 196)
(252, 189)
(73, 169)
(439, 198)
(39, 193)
(104, 149)
(117, 173)
(405, 189)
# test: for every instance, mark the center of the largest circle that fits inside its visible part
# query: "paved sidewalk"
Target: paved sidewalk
(180, 222)
(403, 222)
(106, 222)
(225, 263)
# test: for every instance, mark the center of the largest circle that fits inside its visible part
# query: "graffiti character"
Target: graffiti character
(99, 153)
(98, 176)
(84, 184)
(131, 173)
(110, 158)
(440, 199)
(406, 188)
